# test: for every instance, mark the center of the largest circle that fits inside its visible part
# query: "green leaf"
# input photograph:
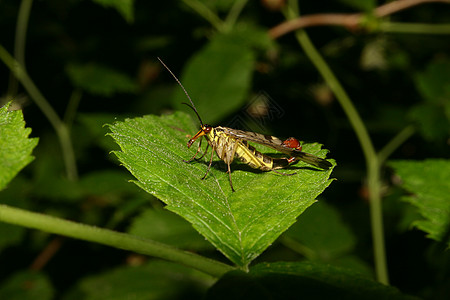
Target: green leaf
(354, 263)
(241, 224)
(108, 184)
(124, 7)
(154, 280)
(321, 233)
(100, 80)
(220, 73)
(218, 5)
(433, 115)
(246, 34)
(299, 280)
(10, 235)
(428, 181)
(168, 228)
(47, 180)
(434, 82)
(26, 285)
(15, 146)
(432, 123)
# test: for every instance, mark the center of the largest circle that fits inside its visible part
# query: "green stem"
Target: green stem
(376, 219)
(414, 28)
(394, 143)
(42, 103)
(340, 93)
(65, 141)
(110, 238)
(20, 38)
(298, 247)
(21, 30)
(72, 107)
(234, 13)
(362, 134)
(206, 13)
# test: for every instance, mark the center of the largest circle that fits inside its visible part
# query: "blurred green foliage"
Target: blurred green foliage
(95, 63)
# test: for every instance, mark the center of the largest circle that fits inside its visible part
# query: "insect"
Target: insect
(231, 143)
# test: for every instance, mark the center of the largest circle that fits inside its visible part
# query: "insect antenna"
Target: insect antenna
(187, 95)
(193, 108)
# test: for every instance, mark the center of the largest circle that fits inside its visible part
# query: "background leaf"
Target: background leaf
(434, 82)
(153, 280)
(124, 7)
(15, 146)
(217, 78)
(168, 228)
(433, 114)
(100, 80)
(241, 224)
(322, 232)
(27, 285)
(428, 181)
(288, 280)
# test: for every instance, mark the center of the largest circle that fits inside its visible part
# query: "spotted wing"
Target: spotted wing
(266, 140)
(277, 144)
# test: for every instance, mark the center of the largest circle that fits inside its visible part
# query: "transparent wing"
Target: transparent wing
(277, 144)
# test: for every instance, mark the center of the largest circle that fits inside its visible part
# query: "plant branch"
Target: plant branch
(415, 28)
(72, 107)
(60, 128)
(399, 5)
(394, 143)
(363, 138)
(341, 94)
(20, 38)
(234, 12)
(21, 30)
(376, 219)
(206, 13)
(298, 247)
(350, 21)
(110, 238)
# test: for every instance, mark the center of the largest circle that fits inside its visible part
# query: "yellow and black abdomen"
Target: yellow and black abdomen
(255, 159)
(228, 147)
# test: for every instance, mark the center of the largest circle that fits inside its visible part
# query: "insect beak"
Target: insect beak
(196, 136)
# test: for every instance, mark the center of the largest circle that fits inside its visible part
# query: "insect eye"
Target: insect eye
(206, 128)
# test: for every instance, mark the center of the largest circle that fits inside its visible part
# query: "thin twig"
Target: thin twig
(233, 14)
(346, 20)
(47, 254)
(349, 21)
(19, 44)
(394, 143)
(396, 6)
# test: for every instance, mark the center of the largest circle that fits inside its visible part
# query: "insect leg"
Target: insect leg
(279, 163)
(206, 150)
(210, 163)
(198, 150)
(229, 174)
